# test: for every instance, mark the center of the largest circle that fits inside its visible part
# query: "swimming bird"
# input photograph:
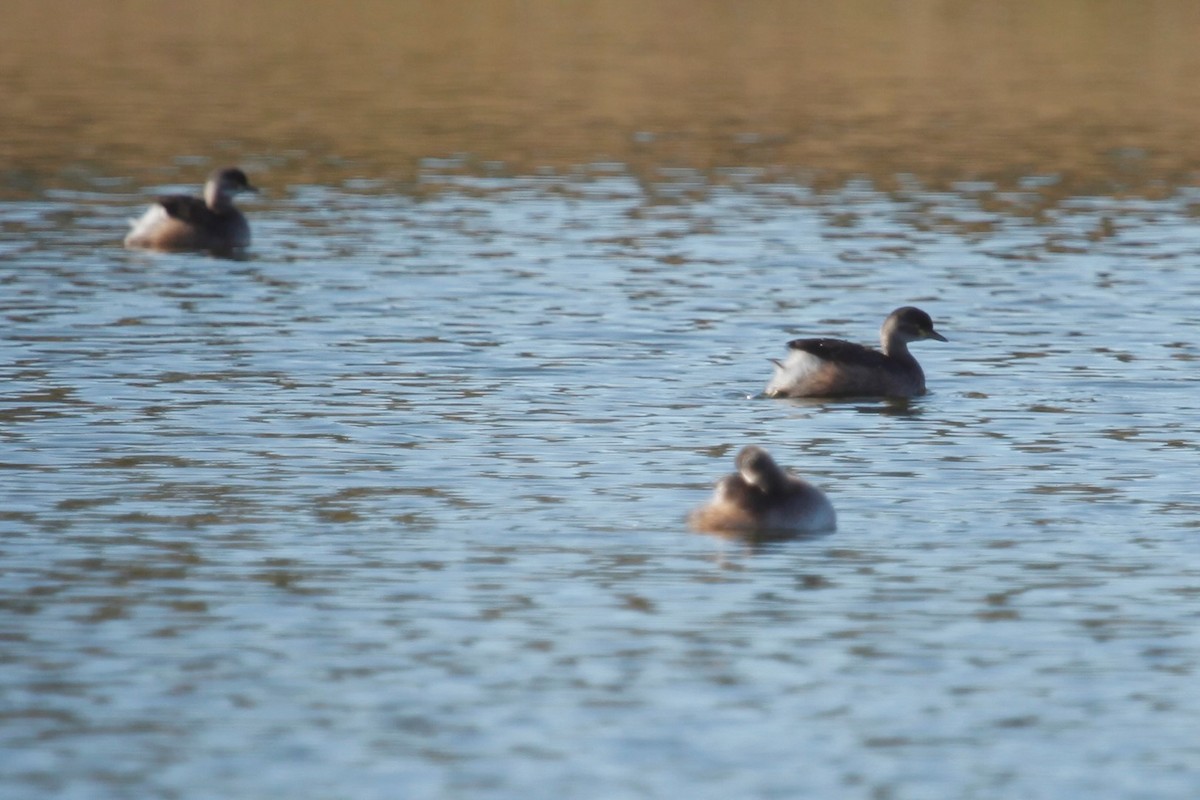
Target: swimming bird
(761, 498)
(836, 368)
(183, 222)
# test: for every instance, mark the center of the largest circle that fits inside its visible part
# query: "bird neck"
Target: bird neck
(769, 481)
(216, 198)
(893, 345)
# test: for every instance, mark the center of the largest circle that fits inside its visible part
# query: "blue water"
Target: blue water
(394, 506)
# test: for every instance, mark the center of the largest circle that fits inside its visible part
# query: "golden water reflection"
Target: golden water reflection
(1101, 97)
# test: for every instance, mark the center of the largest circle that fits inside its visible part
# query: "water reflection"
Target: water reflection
(398, 500)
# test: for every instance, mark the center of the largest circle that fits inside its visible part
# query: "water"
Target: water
(396, 504)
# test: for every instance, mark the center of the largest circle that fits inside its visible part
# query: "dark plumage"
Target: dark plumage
(763, 499)
(183, 222)
(837, 368)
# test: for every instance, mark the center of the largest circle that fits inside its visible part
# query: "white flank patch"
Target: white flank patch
(796, 368)
(144, 225)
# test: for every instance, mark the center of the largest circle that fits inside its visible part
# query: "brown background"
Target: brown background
(1103, 95)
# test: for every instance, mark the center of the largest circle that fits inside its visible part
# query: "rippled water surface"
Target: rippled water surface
(394, 505)
(397, 501)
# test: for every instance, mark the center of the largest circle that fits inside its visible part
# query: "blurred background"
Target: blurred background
(1103, 96)
(393, 504)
